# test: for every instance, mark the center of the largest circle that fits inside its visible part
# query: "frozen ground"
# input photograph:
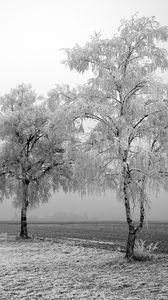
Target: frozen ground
(71, 269)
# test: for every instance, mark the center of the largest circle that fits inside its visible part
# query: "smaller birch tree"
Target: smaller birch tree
(32, 157)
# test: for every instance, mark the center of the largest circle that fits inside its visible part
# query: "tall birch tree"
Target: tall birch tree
(126, 100)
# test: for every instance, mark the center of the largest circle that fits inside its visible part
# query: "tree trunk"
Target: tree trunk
(24, 232)
(130, 243)
(132, 231)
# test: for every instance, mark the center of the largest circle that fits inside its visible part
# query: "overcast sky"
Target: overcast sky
(32, 32)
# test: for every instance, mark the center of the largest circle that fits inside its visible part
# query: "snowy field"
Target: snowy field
(53, 269)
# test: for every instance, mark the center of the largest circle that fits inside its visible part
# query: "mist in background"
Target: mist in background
(72, 207)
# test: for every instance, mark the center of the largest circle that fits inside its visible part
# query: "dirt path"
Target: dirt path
(64, 269)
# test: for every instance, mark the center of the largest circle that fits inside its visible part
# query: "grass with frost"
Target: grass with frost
(51, 269)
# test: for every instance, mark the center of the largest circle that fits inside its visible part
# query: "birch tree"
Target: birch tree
(126, 100)
(32, 157)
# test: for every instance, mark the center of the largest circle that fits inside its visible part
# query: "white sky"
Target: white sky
(32, 32)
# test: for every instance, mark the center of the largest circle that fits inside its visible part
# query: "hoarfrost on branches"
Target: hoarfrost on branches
(129, 104)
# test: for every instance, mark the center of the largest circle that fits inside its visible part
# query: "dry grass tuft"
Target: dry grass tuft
(144, 252)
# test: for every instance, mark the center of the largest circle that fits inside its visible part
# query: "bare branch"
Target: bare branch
(140, 121)
(136, 88)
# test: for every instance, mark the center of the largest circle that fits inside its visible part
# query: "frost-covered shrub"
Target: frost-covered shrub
(144, 252)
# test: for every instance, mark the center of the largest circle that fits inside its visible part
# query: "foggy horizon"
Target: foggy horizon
(71, 207)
